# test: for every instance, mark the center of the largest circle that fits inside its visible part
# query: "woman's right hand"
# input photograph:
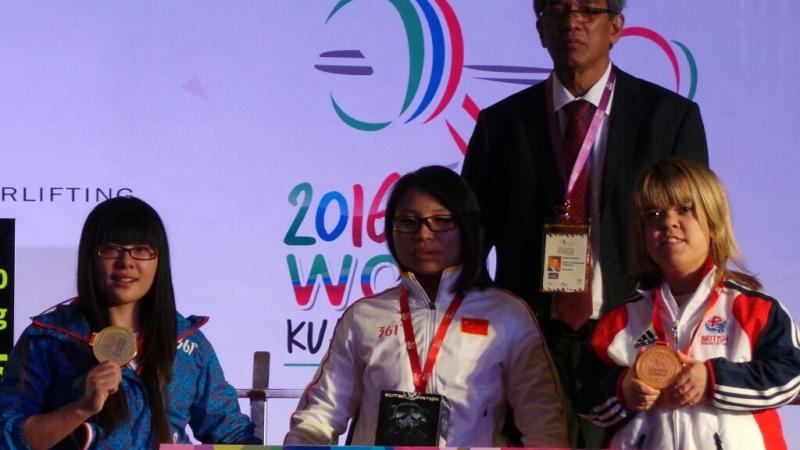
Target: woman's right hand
(42, 431)
(103, 380)
(636, 395)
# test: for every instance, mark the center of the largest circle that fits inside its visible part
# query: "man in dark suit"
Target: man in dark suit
(516, 169)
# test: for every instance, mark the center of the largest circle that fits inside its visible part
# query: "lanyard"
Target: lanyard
(659, 305)
(588, 140)
(421, 377)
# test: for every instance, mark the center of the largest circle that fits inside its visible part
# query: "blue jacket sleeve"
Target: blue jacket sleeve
(772, 377)
(215, 416)
(22, 390)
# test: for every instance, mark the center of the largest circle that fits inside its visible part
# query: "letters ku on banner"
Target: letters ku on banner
(6, 290)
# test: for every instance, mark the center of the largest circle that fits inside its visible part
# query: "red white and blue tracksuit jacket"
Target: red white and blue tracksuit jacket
(47, 368)
(750, 346)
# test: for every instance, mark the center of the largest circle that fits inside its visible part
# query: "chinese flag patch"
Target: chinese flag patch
(475, 326)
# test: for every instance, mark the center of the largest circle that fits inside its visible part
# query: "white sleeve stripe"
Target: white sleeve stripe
(795, 331)
(755, 393)
(606, 423)
(607, 404)
(735, 407)
(727, 407)
(795, 334)
(608, 413)
(757, 402)
(616, 411)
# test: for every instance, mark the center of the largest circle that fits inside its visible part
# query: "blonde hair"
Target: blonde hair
(684, 182)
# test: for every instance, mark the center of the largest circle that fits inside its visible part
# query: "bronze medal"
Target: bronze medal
(657, 366)
(115, 344)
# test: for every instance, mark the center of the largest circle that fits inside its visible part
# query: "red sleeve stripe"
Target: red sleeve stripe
(752, 314)
(608, 327)
(61, 330)
(770, 425)
(712, 380)
(192, 330)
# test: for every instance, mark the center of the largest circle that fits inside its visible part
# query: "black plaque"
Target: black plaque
(412, 419)
(6, 290)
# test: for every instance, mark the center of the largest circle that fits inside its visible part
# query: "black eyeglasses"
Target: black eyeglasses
(137, 252)
(411, 224)
(585, 14)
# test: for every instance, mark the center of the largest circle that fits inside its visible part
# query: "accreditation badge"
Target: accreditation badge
(566, 258)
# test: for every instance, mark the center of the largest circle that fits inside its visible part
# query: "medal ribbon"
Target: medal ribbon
(421, 376)
(659, 305)
(588, 140)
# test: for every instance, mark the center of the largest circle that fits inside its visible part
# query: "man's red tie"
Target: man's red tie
(573, 308)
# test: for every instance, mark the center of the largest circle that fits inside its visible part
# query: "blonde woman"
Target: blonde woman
(735, 350)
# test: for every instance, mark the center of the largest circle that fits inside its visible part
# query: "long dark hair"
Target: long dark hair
(129, 220)
(449, 189)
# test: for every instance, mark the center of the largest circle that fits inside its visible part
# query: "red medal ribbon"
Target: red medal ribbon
(421, 377)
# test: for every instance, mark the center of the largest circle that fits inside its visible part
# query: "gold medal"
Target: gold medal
(657, 366)
(115, 344)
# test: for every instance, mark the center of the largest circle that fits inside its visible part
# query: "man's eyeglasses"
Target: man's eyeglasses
(411, 224)
(137, 252)
(584, 14)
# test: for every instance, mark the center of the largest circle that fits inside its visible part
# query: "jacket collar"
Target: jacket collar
(444, 295)
(562, 96)
(698, 298)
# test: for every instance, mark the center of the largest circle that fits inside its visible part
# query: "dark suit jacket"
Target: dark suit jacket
(512, 169)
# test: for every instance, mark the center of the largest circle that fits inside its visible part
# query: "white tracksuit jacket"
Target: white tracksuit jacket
(750, 346)
(496, 360)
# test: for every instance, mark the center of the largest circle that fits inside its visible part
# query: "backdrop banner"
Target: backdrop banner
(268, 136)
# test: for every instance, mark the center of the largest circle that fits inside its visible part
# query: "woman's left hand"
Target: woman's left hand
(689, 387)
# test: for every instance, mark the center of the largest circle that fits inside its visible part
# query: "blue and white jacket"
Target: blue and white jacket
(47, 367)
(750, 346)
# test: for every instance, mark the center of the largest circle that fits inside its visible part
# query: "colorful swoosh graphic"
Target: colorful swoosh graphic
(443, 28)
(442, 23)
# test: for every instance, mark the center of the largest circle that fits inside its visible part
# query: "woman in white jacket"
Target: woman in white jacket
(492, 358)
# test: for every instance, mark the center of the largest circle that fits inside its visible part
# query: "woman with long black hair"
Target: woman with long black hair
(118, 366)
